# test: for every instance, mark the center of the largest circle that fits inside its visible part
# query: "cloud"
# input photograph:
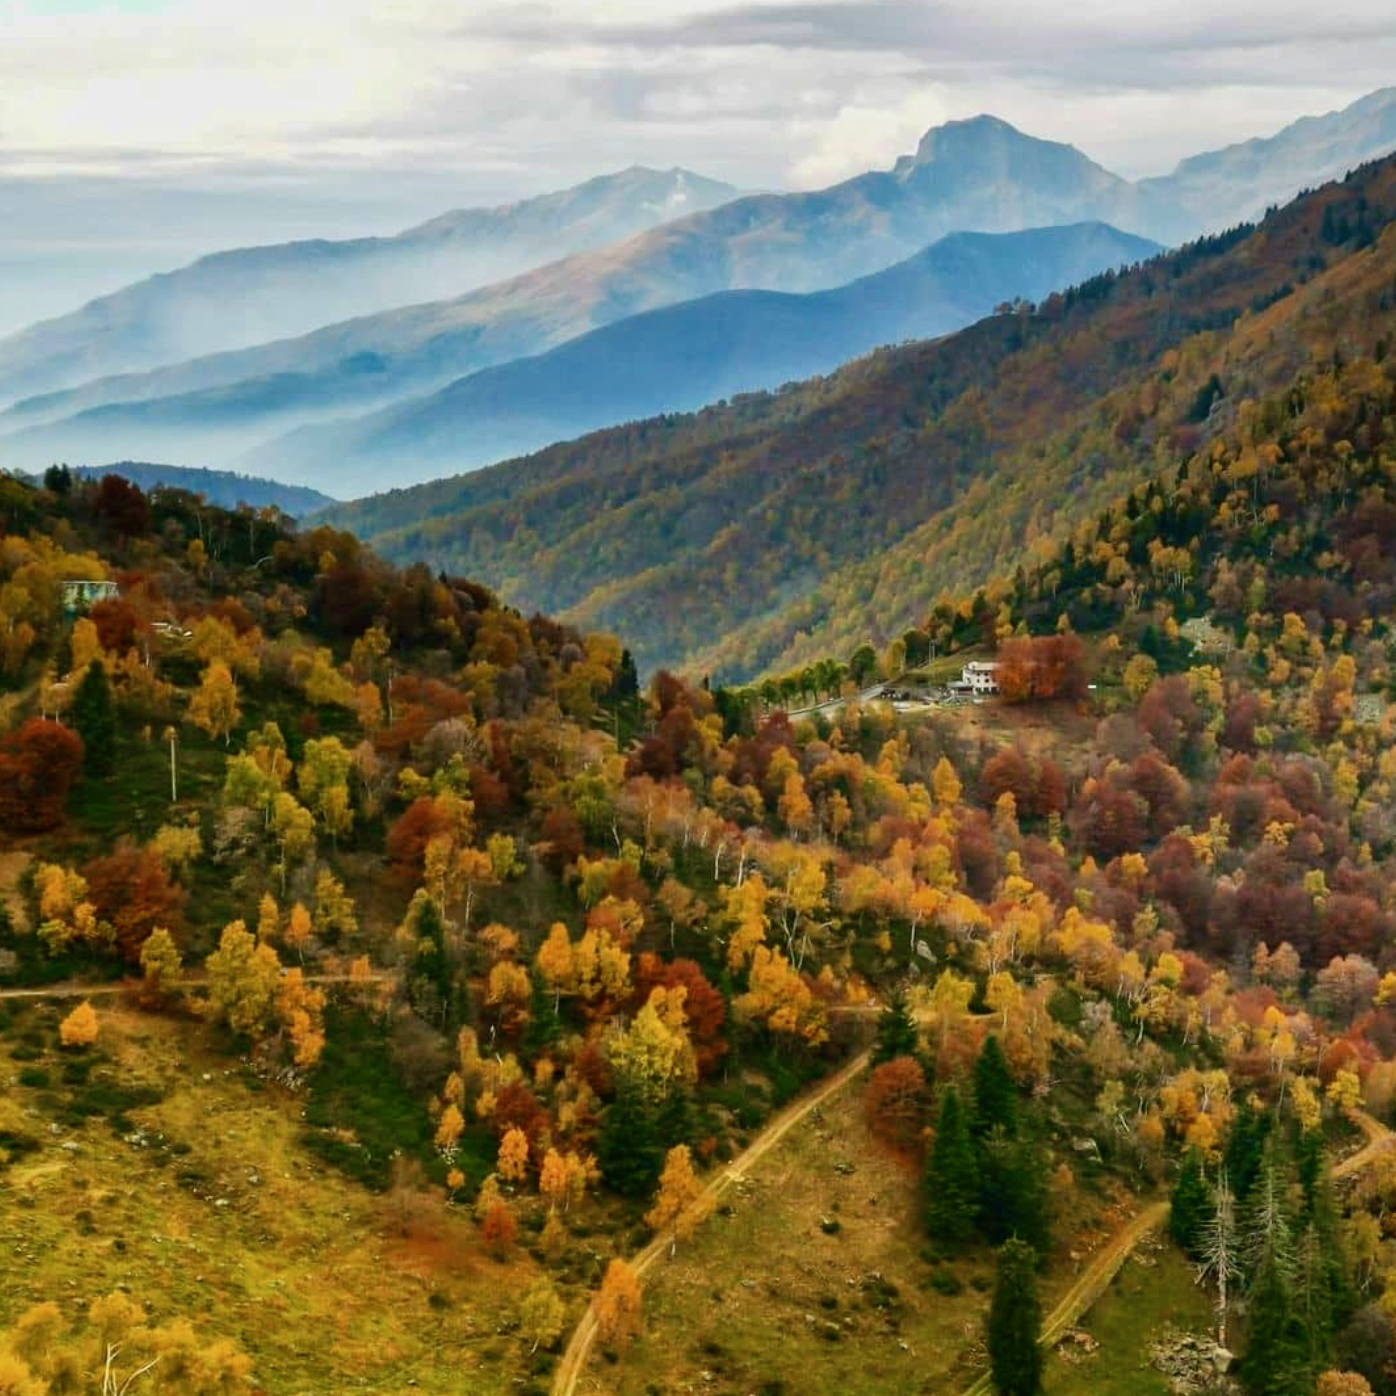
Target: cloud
(382, 113)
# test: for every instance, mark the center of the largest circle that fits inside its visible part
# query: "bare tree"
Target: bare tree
(1218, 1245)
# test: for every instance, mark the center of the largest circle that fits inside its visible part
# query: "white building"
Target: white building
(980, 676)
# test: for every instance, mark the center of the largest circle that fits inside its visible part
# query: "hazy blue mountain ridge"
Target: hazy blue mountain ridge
(253, 295)
(680, 357)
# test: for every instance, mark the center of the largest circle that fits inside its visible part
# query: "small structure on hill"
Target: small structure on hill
(979, 678)
(79, 593)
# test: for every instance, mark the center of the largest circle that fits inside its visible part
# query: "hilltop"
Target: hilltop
(225, 488)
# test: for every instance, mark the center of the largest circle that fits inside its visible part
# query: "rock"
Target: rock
(1194, 1363)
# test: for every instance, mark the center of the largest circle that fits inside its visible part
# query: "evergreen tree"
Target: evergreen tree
(952, 1174)
(897, 1035)
(1315, 1302)
(1013, 1198)
(94, 718)
(995, 1095)
(544, 1025)
(1015, 1322)
(629, 1151)
(1192, 1203)
(1276, 1361)
(1245, 1150)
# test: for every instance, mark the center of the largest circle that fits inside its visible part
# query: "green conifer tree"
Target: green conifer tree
(995, 1095)
(1015, 1322)
(94, 718)
(897, 1035)
(1192, 1204)
(1013, 1198)
(628, 1149)
(952, 1174)
(1245, 1150)
(1276, 1361)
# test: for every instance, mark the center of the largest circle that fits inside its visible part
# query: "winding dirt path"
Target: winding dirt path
(1095, 1279)
(574, 1357)
(1379, 1139)
(1088, 1287)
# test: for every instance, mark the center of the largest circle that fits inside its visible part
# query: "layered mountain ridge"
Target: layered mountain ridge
(744, 538)
(225, 409)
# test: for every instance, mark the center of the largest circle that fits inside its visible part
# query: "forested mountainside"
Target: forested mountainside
(684, 356)
(225, 488)
(1132, 939)
(791, 524)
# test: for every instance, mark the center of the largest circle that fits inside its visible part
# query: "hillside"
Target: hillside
(780, 527)
(681, 357)
(486, 963)
(975, 175)
(1252, 176)
(250, 295)
(221, 487)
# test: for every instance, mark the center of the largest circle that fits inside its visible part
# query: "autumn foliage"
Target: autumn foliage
(38, 765)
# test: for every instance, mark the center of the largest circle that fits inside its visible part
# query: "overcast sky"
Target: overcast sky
(134, 133)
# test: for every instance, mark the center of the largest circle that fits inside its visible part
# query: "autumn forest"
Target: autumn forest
(405, 989)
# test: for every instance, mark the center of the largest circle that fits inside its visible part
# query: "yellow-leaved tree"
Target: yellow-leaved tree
(618, 1306)
(79, 1028)
(214, 706)
(679, 1204)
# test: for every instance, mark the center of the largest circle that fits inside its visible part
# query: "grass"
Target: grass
(815, 1276)
(149, 1163)
(1154, 1290)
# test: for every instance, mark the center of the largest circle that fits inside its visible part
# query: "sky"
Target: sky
(135, 134)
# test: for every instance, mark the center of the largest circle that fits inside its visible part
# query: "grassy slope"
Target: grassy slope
(763, 1292)
(223, 1216)
(1154, 1290)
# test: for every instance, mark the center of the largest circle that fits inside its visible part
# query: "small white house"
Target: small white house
(980, 677)
(79, 593)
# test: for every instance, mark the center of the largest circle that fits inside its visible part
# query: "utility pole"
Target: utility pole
(173, 735)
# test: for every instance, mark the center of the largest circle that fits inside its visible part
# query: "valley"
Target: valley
(854, 853)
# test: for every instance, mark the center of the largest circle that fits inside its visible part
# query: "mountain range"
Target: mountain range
(976, 175)
(248, 296)
(668, 360)
(777, 528)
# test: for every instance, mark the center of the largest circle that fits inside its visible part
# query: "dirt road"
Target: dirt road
(574, 1357)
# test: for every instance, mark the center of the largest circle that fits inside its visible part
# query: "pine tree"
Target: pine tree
(1276, 1361)
(1015, 1322)
(995, 1095)
(1013, 1200)
(952, 1174)
(1218, 1256)
(1245, 1150)
(544, 1023)
(1315, 1303)
(1192, 1202)
(94, 717)
(628, 1148)
(897, 1035)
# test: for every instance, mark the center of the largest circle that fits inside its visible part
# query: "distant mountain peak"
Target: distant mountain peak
(970, 142)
